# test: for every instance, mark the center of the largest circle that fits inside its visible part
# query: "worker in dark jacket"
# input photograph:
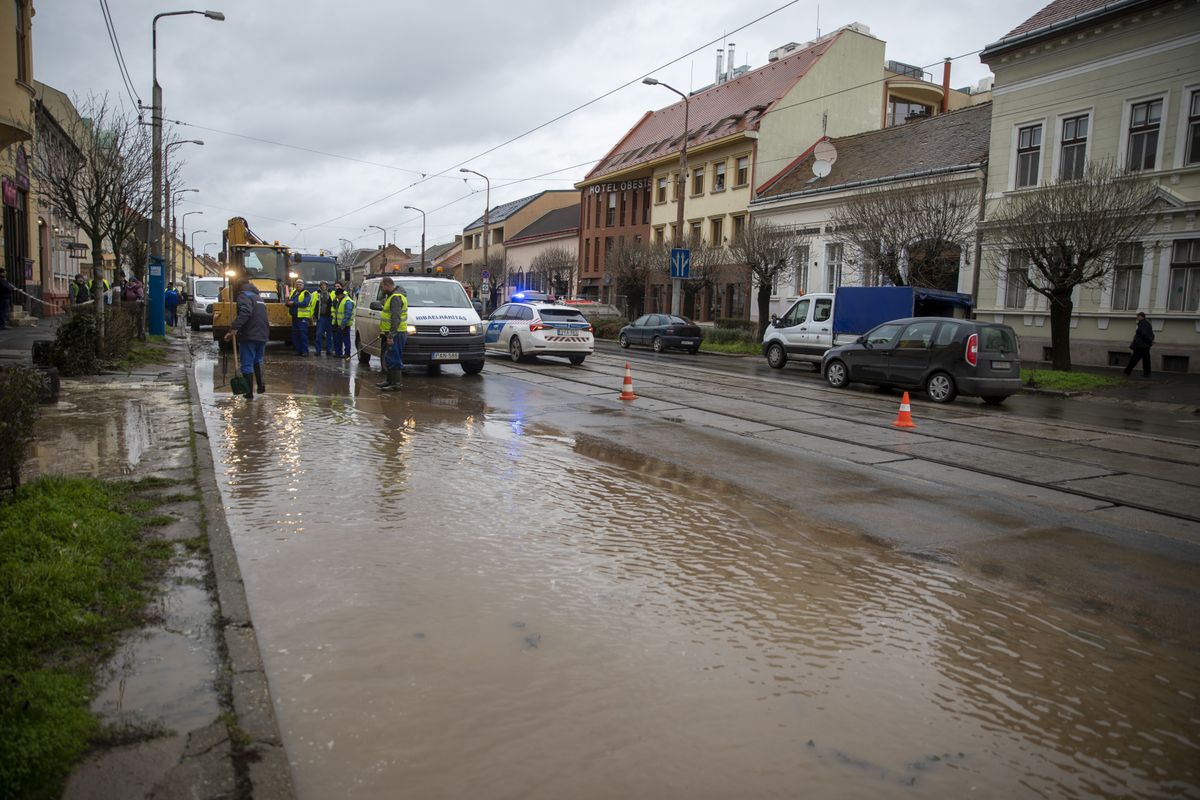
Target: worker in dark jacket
(1143, 340)
(393, 327)
(253, 329)
(324, 317)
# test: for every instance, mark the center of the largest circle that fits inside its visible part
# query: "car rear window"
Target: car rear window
(998, 337)
(563, 314)
(678, 321)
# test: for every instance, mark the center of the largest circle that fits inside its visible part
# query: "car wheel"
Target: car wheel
(776, 356)
(693, 350)
(514, 349)
(472, 367)
(364, 357)
(624, 342)
(940, 388)
(576, 360)
(995, 400)
(657, 344)
(836, 374)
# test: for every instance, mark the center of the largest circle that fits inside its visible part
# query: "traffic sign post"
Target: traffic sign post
(681, 262)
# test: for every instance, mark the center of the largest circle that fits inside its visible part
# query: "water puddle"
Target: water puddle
(469, 602)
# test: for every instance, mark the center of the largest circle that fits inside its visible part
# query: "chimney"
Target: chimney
(408, 251)
(730, 63)
(945, 85)
(720, 64)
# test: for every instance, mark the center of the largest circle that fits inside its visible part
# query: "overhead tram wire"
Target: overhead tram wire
(115, 41)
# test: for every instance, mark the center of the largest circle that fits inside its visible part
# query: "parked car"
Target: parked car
(945, 357)
(443, 327)
(535, 328)
(662, 331)
(202, 293)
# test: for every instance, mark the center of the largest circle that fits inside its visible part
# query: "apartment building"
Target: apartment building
(18, 231)
(506, 220)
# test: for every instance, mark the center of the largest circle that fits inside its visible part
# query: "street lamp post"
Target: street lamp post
(422, 213)
(680, 189)
(487, 204)
(205, 251)
(157, 325)
(383, 231)
(169, 200)
(194, 248)
(183, 236)
(171, 231)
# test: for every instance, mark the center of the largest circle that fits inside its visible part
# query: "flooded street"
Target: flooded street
(465, 589)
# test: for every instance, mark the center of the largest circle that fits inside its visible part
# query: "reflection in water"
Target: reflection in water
(468, 603)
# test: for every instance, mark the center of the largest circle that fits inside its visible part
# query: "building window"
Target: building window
(633, 215)
(743, 171)
(597, 204)
(587, 252)
(719, 176)
(622, 217)
(662, 190)
(1192, 155)
(698, 180)
(610, 218)
(1127, 277)
(716, 231)
(800, 273)
(696, 231)
(608, 248)
(1016, 284)
(596, 255)
(901, 111)
(22, 45)
(1074, 148)
(1144, 121)
(1029, 155)
(1185, 276)
(833, 266)
(646, 206)
(739, 227)
(660, 234)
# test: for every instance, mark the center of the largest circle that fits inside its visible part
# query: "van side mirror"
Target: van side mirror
(774, 318)
(377, 306)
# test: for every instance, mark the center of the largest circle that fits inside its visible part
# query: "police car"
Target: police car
(526, 327)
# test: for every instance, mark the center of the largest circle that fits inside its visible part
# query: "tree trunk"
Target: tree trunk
(764, 307)
(98, 292)
(1060, 330)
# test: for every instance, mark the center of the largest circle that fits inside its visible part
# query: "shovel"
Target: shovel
(239, 383)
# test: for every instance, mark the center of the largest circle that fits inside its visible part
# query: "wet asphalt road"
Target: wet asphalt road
(513, 585)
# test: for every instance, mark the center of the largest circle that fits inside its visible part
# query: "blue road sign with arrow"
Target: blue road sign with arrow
(681, 262)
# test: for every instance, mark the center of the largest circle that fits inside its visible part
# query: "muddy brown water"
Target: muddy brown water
(455, 599)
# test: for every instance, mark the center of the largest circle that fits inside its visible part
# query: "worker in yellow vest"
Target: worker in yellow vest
(393, 327)
(301, 304)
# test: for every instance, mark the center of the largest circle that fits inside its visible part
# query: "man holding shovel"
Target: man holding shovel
(250, 331)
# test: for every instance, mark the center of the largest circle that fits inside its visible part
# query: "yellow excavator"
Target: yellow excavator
(267, 265)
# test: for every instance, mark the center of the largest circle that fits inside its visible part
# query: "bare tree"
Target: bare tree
(1068, 233)
(555, 267)
(631, 263)
(497, 267)
(768, 252)
(911, 235)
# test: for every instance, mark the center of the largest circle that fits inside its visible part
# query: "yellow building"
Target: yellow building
(18, 229)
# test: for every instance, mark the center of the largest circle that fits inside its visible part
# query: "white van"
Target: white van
(443, 327)
(202, 294)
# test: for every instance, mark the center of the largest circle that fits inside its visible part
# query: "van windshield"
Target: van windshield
(434, 294)
(209, 288)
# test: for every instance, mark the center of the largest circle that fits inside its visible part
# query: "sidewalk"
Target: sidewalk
(191, 681)
(17, 343)
(1166, 390)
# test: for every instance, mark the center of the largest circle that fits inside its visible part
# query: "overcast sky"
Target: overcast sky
(422, 88)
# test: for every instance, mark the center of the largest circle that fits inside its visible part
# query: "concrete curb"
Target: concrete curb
(267, 765)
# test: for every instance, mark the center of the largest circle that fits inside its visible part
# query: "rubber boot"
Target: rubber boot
(258, 377)
(249, 387)
(387, 378)
(393, 381)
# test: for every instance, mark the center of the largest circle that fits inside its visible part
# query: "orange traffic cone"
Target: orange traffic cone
(627, 389)
(904, 418)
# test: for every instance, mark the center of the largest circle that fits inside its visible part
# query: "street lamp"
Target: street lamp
(157, 321)
(422, 213)
(680, 187)
(384, 230)
(204, 250)
(169, 200)
(194, 248)
(487, 203)
(183, 231)
(169, 217)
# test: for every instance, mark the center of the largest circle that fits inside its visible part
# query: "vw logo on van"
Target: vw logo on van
(444, 330)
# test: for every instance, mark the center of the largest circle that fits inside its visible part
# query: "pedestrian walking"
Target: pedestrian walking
(171, 303)
(324, 317)
(343, 319)
(1143, 340)
(300, 304)
(6, 297)
(253, 329)
(81, 290)
(393, 328)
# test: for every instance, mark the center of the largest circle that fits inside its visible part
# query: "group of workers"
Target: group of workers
(334, 317)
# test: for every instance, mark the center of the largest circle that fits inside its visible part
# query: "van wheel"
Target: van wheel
(836, 374)
(576, 360)
(994, 400)
(364, 357)
(195, 324)
(657, 344)
(472, 367)
(776, 356)
(514, 349)
(940, 388)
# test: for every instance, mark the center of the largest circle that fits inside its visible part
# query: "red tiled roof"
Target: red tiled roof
(726, 108)
(1058, 14)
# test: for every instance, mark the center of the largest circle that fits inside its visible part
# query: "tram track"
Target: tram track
(602, 376)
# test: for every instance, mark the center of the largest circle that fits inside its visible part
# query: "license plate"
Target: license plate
(687, 342)
(445, 356)
(1001, 365)
(564, 332)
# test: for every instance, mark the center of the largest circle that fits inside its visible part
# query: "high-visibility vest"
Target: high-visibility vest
(385, 321)
(303, 312)
(343, 311)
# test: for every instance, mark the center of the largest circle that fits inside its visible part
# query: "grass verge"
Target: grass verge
(747, 348)
(152, 351)
(75, 570)
(1067, 381)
